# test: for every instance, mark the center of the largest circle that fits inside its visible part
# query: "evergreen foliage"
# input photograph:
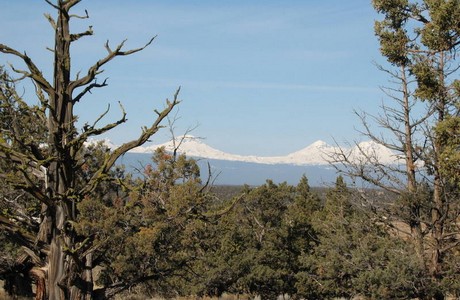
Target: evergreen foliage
(356, 255)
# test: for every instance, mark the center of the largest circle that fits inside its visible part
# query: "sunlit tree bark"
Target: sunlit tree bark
(65, 259)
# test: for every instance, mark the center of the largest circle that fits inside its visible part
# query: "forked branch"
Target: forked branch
(96, 68)
(146, 134)
(51, 20)
(74, 37)
(34, 73)
(88, 89)
(91, 130)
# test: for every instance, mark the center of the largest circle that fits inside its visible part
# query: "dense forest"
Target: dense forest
(75, 225)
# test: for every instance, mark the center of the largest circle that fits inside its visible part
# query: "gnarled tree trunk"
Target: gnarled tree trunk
(64, 269)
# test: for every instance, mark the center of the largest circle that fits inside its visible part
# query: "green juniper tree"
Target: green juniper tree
(256, 246)
(152, 232)
(355, 256)
(19, 210)
(420, 40)
(434, 31)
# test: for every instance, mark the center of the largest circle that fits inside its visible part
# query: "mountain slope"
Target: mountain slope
(318, 153)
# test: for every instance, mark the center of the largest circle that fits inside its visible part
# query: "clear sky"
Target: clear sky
(258, 77)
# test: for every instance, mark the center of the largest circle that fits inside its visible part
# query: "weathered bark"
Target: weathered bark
(60, 172)
(414, 204)
(440, 203)
(68, 272)
(39, 276)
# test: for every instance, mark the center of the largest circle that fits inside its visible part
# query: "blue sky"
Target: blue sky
(258, 77)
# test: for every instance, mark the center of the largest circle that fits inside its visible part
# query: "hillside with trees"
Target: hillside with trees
(75, 225)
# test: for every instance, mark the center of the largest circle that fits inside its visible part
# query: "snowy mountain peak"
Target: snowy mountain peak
(319, 144)
(317, 153)
(372, 151)
(106, 142)
(370, 145)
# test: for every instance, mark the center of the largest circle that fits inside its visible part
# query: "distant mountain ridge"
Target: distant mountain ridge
(318, 153)
(234, 169)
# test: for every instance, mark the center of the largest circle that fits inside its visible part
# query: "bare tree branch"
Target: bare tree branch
(35, 74)
(86, 16)
(177, 142)
(74, 37)
(88, 89)
(70, 3)
(92, 131)
(52, 4)
(95, 69)
(146, 134)
(51, 21)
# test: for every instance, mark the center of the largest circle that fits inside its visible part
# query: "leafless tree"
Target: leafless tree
(62, 260)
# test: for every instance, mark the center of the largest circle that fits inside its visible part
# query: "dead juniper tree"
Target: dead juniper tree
(61, 260)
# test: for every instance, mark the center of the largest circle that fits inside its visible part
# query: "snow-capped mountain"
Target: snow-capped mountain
(318, 153)
(370, 152)
(105, 142)
(192, 147)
